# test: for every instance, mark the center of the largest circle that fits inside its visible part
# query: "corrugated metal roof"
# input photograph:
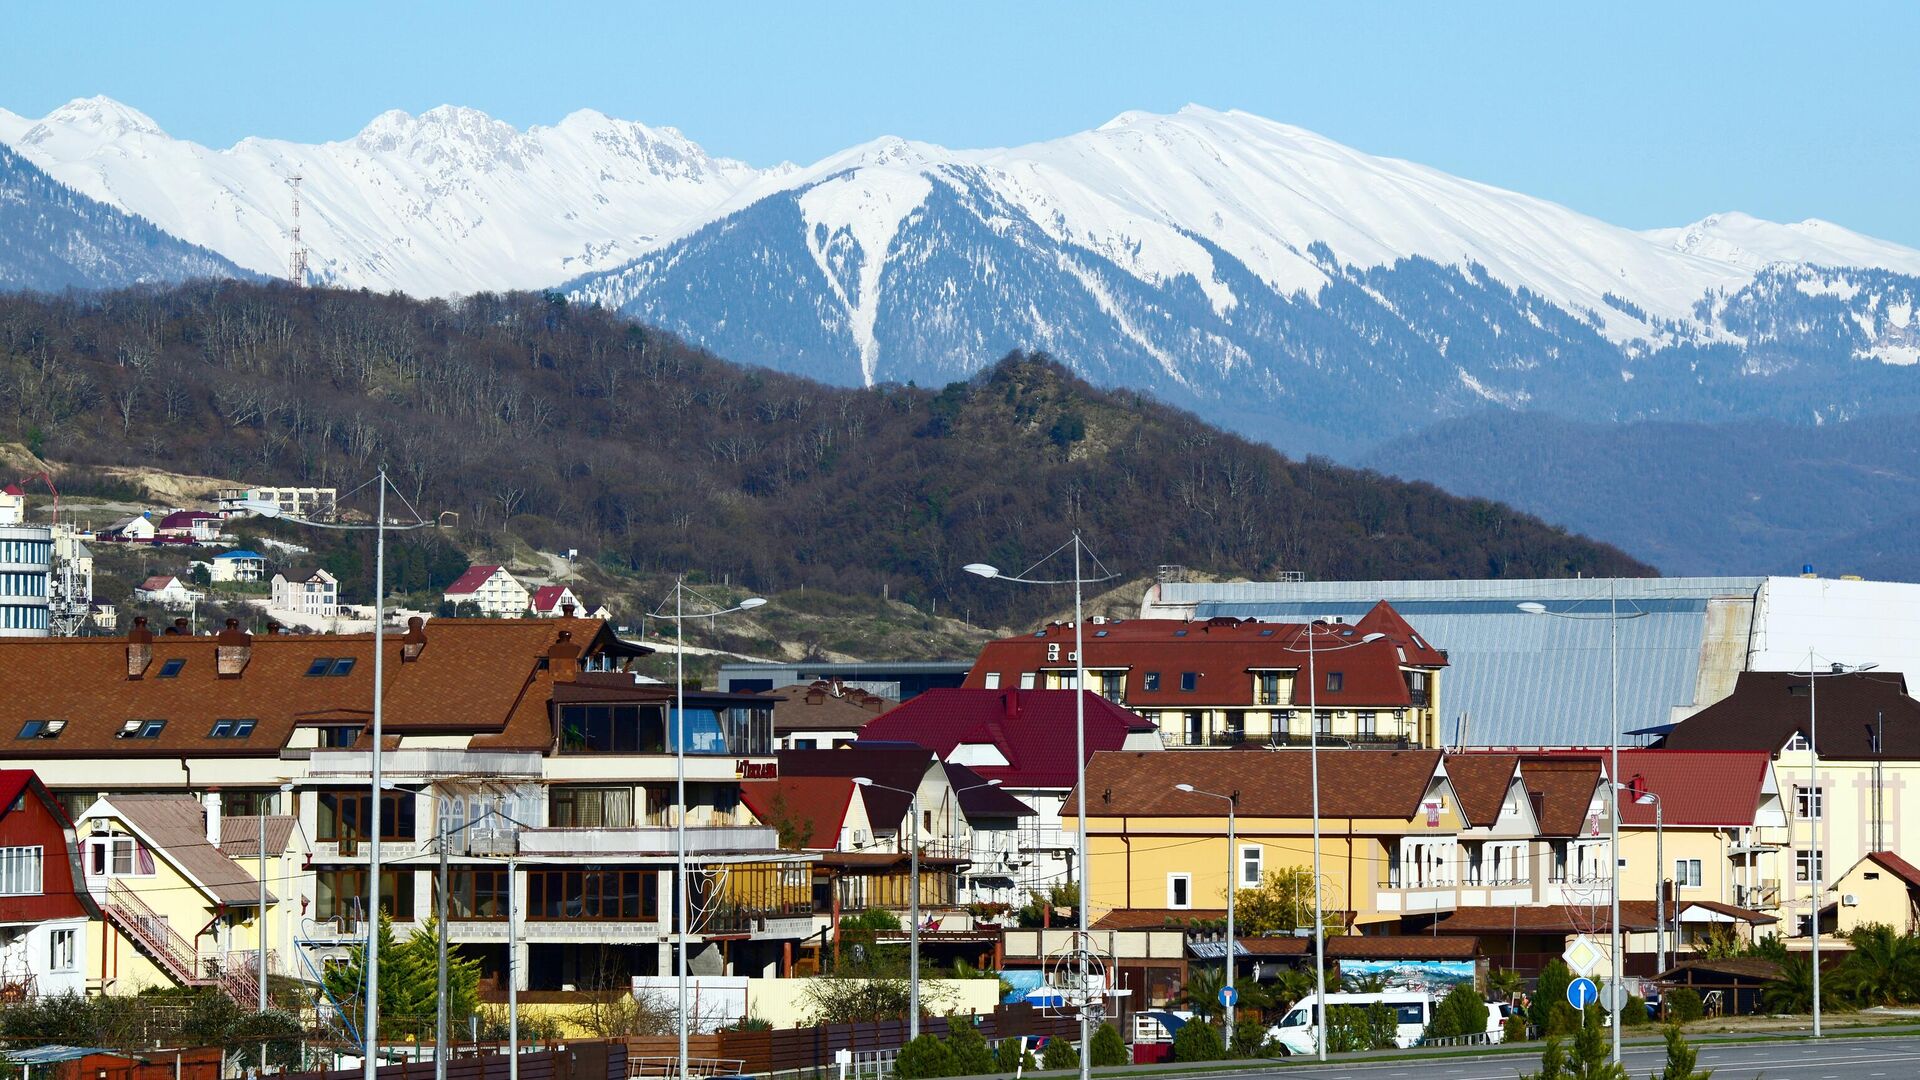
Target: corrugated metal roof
(1517, 679)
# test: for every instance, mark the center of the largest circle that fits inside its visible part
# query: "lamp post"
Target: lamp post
(1313, 761)
(990, 572)
(1648, 798)
(1616, 998)
(913, 901)
(679, 728)
(1817, 811)
(1233, 943)
(379, 528)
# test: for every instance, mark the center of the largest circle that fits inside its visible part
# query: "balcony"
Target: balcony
(424, 764)
(1352, 742)
(1757, 897)
(648, 840)
(1183, 739)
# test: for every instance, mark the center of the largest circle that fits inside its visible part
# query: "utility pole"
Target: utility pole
(440, 1013)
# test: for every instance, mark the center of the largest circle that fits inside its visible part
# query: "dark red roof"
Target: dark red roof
(1221, 654)
(1032, 729)
(1767, 707)
(471, 581)
(1898, 866)
(1157, 918)
(548, 597)
(1416, 649)
(894, 768)
(1696, 787)
(980, 799)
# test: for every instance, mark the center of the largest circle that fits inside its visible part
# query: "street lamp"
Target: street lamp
(1313, 760)
(992, 573)
(1648, 798)
(1233, 943)
(913, 900)
(679, 726)
(1817, 811)
(269, 509)
(1616, 998)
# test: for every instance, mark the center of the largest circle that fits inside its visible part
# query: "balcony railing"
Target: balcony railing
(701, 840)
(1351, 741)
(425, 762)
(1764, 895)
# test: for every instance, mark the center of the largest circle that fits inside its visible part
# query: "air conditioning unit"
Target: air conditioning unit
(1850, 899)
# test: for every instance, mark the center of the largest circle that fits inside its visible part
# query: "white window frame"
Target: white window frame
(1805, 862)
(992, 680)
(62, 946)
(22, 870)
(1686, 873)
(1809, 803)
(1254, 857)
(114, 846)
(1026, 680)
(1185, 884)
(1798, 741)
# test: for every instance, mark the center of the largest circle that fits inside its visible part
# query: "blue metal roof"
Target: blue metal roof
(241, 553)
(53, 1054)
(1516, 679)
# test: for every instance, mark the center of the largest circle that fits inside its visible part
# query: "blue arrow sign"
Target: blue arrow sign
(1229, 995)
(1581, 993)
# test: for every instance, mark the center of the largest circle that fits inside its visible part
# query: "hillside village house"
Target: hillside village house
(1024, 739)
(306, 590)
(551, 601)
(496, 593)
(45, 913)
(1854, 804)
(138, 529)
(1229, 682)
(821, 715)
(237, 565)
(189, 527)
(167, 591)
(311, 503)
(534, 723)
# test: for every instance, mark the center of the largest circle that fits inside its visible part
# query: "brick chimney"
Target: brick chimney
(414, 641)
(139, 648)
(563, 659)
(232, 650)
(179, 628)
(566, 611)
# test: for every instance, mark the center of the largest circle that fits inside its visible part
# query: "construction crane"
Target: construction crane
(47, 479)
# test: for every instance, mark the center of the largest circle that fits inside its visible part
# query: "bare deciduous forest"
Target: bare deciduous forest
(570, 427)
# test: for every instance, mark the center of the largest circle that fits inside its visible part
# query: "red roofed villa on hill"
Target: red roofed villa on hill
(1227, 682)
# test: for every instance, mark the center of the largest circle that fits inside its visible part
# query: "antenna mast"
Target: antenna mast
(297, 262)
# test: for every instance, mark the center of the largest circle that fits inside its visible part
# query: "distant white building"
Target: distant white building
(138, 529)
(238, 565)
(26, 560)
(307, 591)
(551, 601)
(495, 592)
(312, 503)
(167, 591)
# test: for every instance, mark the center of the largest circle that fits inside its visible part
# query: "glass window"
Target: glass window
(1335, 680)
(1808, 802)
(1150, 681)
(20, 870)
(320, 666)
(342, 666)
(60, 951)
(32, 729)
(1179, 890)
(149, 729)
(992, 680)
(1251, 858)
(1410, 1013)
(591, 808)
(231, 729)
(171, 668)
(343, 815)
(1808, 865)
(1026, 680)
(1798, 741)
(1189, 681)
(342, 894)
(1686, 873)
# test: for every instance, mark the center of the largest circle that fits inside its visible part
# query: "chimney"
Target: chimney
(178, 629)
(566, 611)
(414, 641)
(564, 658)
(1010, 704)
(211, 802)
(274, 628)
(139, 648)
(232, 649)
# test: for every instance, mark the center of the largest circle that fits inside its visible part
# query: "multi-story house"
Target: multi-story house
(821, 715)
(1025, 740)
(26, 566)
(167, 591)
(496, 593)
(311, 503)
(45, 914)
(1840, 804)
(522, 737)
(306, 590)
(1228, 682)
(239, 564)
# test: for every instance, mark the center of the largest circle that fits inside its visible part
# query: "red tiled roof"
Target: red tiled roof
(1718, 788)
(1032, 729)
(546, 597)
(1897, 866)
(12, 783)
(471, 581)
(893, 767)
(1353, 783)
(158, 582)
(815, 805)
(1222, 655)
(1416, 649)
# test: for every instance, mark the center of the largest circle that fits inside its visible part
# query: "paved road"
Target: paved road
(1889, 1057)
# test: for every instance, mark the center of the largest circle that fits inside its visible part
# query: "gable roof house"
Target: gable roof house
(495, 592)
(549, 601)
(822, 714)
(167, 591)
(44, 913)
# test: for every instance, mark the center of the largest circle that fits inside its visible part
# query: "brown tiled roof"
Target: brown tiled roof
(1353, 783)
(823, 706)
(893, 767)
(1547, 919)
(1403, 947)
(1156, 918)
(473, 676)
(1746, 915)
(240, 835)
(1767, 707)
(1562, 790)
(1481, 781)
(1275, 946)
(815, 805)
(1746, 967)
(1898, 866)
(177, 826)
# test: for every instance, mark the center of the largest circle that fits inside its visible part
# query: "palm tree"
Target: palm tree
(1792, 990)
(1505, 982)
(1884, 968)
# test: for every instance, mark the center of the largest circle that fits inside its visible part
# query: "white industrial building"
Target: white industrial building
(26, 562)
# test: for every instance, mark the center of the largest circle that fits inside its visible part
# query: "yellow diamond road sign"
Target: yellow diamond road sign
(1582, 955)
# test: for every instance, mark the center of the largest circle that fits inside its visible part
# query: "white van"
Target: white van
(1299, 1028)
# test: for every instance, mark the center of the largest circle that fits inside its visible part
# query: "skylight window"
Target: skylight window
(1268, 632)
(41, 729)
(320, 666)
(342, 666)
(171, 668)
(145, 729)
(1099, 633)
(231, 729)
(1179, 633)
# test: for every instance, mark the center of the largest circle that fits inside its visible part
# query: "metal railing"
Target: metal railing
(670, 1066)
(178, 957)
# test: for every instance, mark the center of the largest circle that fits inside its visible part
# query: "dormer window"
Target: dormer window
(171, 669)
(41, 729)
(1798, 741)
(1335, 681)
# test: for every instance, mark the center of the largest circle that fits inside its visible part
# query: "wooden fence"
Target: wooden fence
(796, 1049)
(584, 1060)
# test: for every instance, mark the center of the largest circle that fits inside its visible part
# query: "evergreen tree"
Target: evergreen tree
(923, 1059)
(1060, 1054)
(1108, 1047)
(967, 1049)
(1680, 1060)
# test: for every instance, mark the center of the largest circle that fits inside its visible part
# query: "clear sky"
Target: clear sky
(1640, 113)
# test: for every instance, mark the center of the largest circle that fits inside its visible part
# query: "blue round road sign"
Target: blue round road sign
(1229, 995)
(1581, 993)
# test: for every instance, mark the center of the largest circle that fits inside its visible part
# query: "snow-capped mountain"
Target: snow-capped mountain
(450, 201)
(1263, 273)
(53, 238)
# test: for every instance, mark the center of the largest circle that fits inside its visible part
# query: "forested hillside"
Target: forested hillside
(567, 427)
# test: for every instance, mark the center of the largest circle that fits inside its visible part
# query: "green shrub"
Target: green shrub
(1197, 1041)
(1515, 1029)
(1060, 1054)
(922, 1059)
(1462, 1012)
(967, 1050)
(1249, 1039)
(1550, 997)
(1683, 1004)
(1108, 1047)
(1012, 1055)
(1350, 1027)
(1634, 1013)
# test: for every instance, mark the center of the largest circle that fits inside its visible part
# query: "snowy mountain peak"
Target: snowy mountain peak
(1753, 244)
(102, 116)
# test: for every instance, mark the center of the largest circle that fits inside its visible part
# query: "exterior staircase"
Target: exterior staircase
(156, 938)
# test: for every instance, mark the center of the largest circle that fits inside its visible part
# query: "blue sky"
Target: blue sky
(1643, 114)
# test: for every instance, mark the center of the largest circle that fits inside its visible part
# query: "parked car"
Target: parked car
(1298, 1031)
